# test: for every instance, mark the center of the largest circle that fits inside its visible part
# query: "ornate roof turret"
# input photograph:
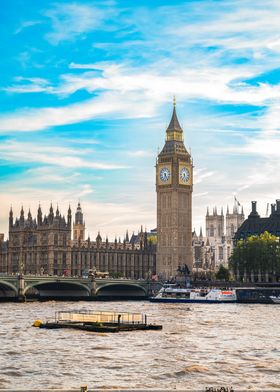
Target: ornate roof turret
(174, 143)
(51, 215)
(21, 219)
(174, 124)
(145, 239)
(11, 217)
(98, 238)
(39, 215)
(69, 216)
(79, 215)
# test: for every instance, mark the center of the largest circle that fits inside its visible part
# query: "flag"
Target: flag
(236, 201)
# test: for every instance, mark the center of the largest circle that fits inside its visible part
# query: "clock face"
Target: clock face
(164, 174)
(184, 174)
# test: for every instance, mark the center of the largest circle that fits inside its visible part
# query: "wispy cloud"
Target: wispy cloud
(38, 119)
(26, 24)
(29, 85)
(201, 174)
(130, 94)
(73, 20)
(17, 152)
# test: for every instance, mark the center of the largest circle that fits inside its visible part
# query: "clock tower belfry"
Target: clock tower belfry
(174, 186)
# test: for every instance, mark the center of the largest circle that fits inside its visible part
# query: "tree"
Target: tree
(255, 257)
(223, 273)
(153, 239)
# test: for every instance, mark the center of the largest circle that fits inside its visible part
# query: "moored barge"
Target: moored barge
(257, 295)
(98, 321)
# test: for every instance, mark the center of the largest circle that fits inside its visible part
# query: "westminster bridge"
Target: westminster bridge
(21, 287)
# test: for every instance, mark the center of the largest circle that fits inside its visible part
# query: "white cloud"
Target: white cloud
(130, 93)
(231, 26)
(25, 24)
(201, 174)
(74, 20)
(48, 175)
(38, 119)
(29, 85)
(266, 142)
(17, 152)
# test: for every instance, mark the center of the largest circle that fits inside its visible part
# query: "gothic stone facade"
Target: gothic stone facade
(45, 246)
(215, 248)
(174, 183)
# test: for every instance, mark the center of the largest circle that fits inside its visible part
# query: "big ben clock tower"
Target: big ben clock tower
(174, 185)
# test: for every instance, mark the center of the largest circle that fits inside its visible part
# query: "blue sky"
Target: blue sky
(86, 95)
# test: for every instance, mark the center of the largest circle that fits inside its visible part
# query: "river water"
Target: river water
(210, 345)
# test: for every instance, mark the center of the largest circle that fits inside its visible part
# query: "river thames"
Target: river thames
(229, 345)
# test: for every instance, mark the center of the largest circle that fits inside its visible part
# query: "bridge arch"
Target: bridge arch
(121, 290)
(57, 288)
(7, 289)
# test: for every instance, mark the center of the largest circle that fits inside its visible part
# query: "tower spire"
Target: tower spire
(174, 130)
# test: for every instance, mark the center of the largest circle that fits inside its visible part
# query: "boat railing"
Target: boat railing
(85, 316)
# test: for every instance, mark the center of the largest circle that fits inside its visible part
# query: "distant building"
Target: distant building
(258, 264)
(44, 245)
(255, 225)
(215, 248)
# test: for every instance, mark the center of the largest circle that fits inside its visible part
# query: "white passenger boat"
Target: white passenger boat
(171, 294)
(274, 299)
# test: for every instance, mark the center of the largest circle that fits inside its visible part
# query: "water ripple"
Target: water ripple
(231, 345)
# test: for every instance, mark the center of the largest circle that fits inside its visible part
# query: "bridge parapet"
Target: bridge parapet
(90, 286)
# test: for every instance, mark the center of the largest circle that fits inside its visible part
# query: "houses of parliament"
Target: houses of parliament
(54, 244)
